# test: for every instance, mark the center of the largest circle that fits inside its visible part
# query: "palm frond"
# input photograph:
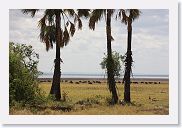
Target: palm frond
(79, 24)
(83, 13)
(50, 15)
(119, 14)
(42, 22)
(46, 41)
(134, 14)
(96, 15)
(42, 26)
(72, 29)
(66, 36)
(30, 11)
(111, 11)
(124, 17)
(47, 36)
(70, 12)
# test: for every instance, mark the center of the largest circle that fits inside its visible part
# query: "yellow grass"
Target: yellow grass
(147, 99)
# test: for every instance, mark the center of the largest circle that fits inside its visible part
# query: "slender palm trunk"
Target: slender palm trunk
(128, 65)
(55, 89)
(110, 62)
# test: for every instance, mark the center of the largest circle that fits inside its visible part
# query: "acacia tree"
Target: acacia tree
(132, 15)
(96, 16)
(56, 27)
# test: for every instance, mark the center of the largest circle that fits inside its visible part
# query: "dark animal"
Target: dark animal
(149, 98)
(98, 82)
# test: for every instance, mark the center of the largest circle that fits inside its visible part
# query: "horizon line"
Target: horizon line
(96, 73)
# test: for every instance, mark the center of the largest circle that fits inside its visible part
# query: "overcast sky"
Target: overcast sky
(150, 43)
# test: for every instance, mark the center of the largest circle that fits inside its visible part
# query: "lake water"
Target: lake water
(87, 75)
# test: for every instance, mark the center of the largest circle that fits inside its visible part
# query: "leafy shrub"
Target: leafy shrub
(118, 63)
(23, 74)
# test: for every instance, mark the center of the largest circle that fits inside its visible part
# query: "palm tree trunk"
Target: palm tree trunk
(128, 65)
(110, 62)
(55, 89)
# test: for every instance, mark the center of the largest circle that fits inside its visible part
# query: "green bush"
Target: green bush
(118, 63)
(23, 74)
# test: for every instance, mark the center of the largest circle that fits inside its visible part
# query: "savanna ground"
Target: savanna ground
(93, 99)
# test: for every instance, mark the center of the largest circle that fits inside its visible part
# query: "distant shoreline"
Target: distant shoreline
(161, 80)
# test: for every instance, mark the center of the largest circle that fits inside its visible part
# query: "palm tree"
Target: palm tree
(54, 26)
(97, 15)
(133, 14)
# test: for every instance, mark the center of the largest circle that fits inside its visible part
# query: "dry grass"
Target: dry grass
(92, 99)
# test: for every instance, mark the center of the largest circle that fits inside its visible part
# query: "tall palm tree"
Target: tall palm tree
(56, 27)
(133, 14)
(97, 15)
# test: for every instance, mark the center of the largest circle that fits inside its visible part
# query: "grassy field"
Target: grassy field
(92, 99)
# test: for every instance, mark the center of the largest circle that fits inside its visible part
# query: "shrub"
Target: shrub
(118, 63)
(23, 74)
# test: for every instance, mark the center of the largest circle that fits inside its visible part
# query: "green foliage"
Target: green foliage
(23, 74)
(118, 61)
